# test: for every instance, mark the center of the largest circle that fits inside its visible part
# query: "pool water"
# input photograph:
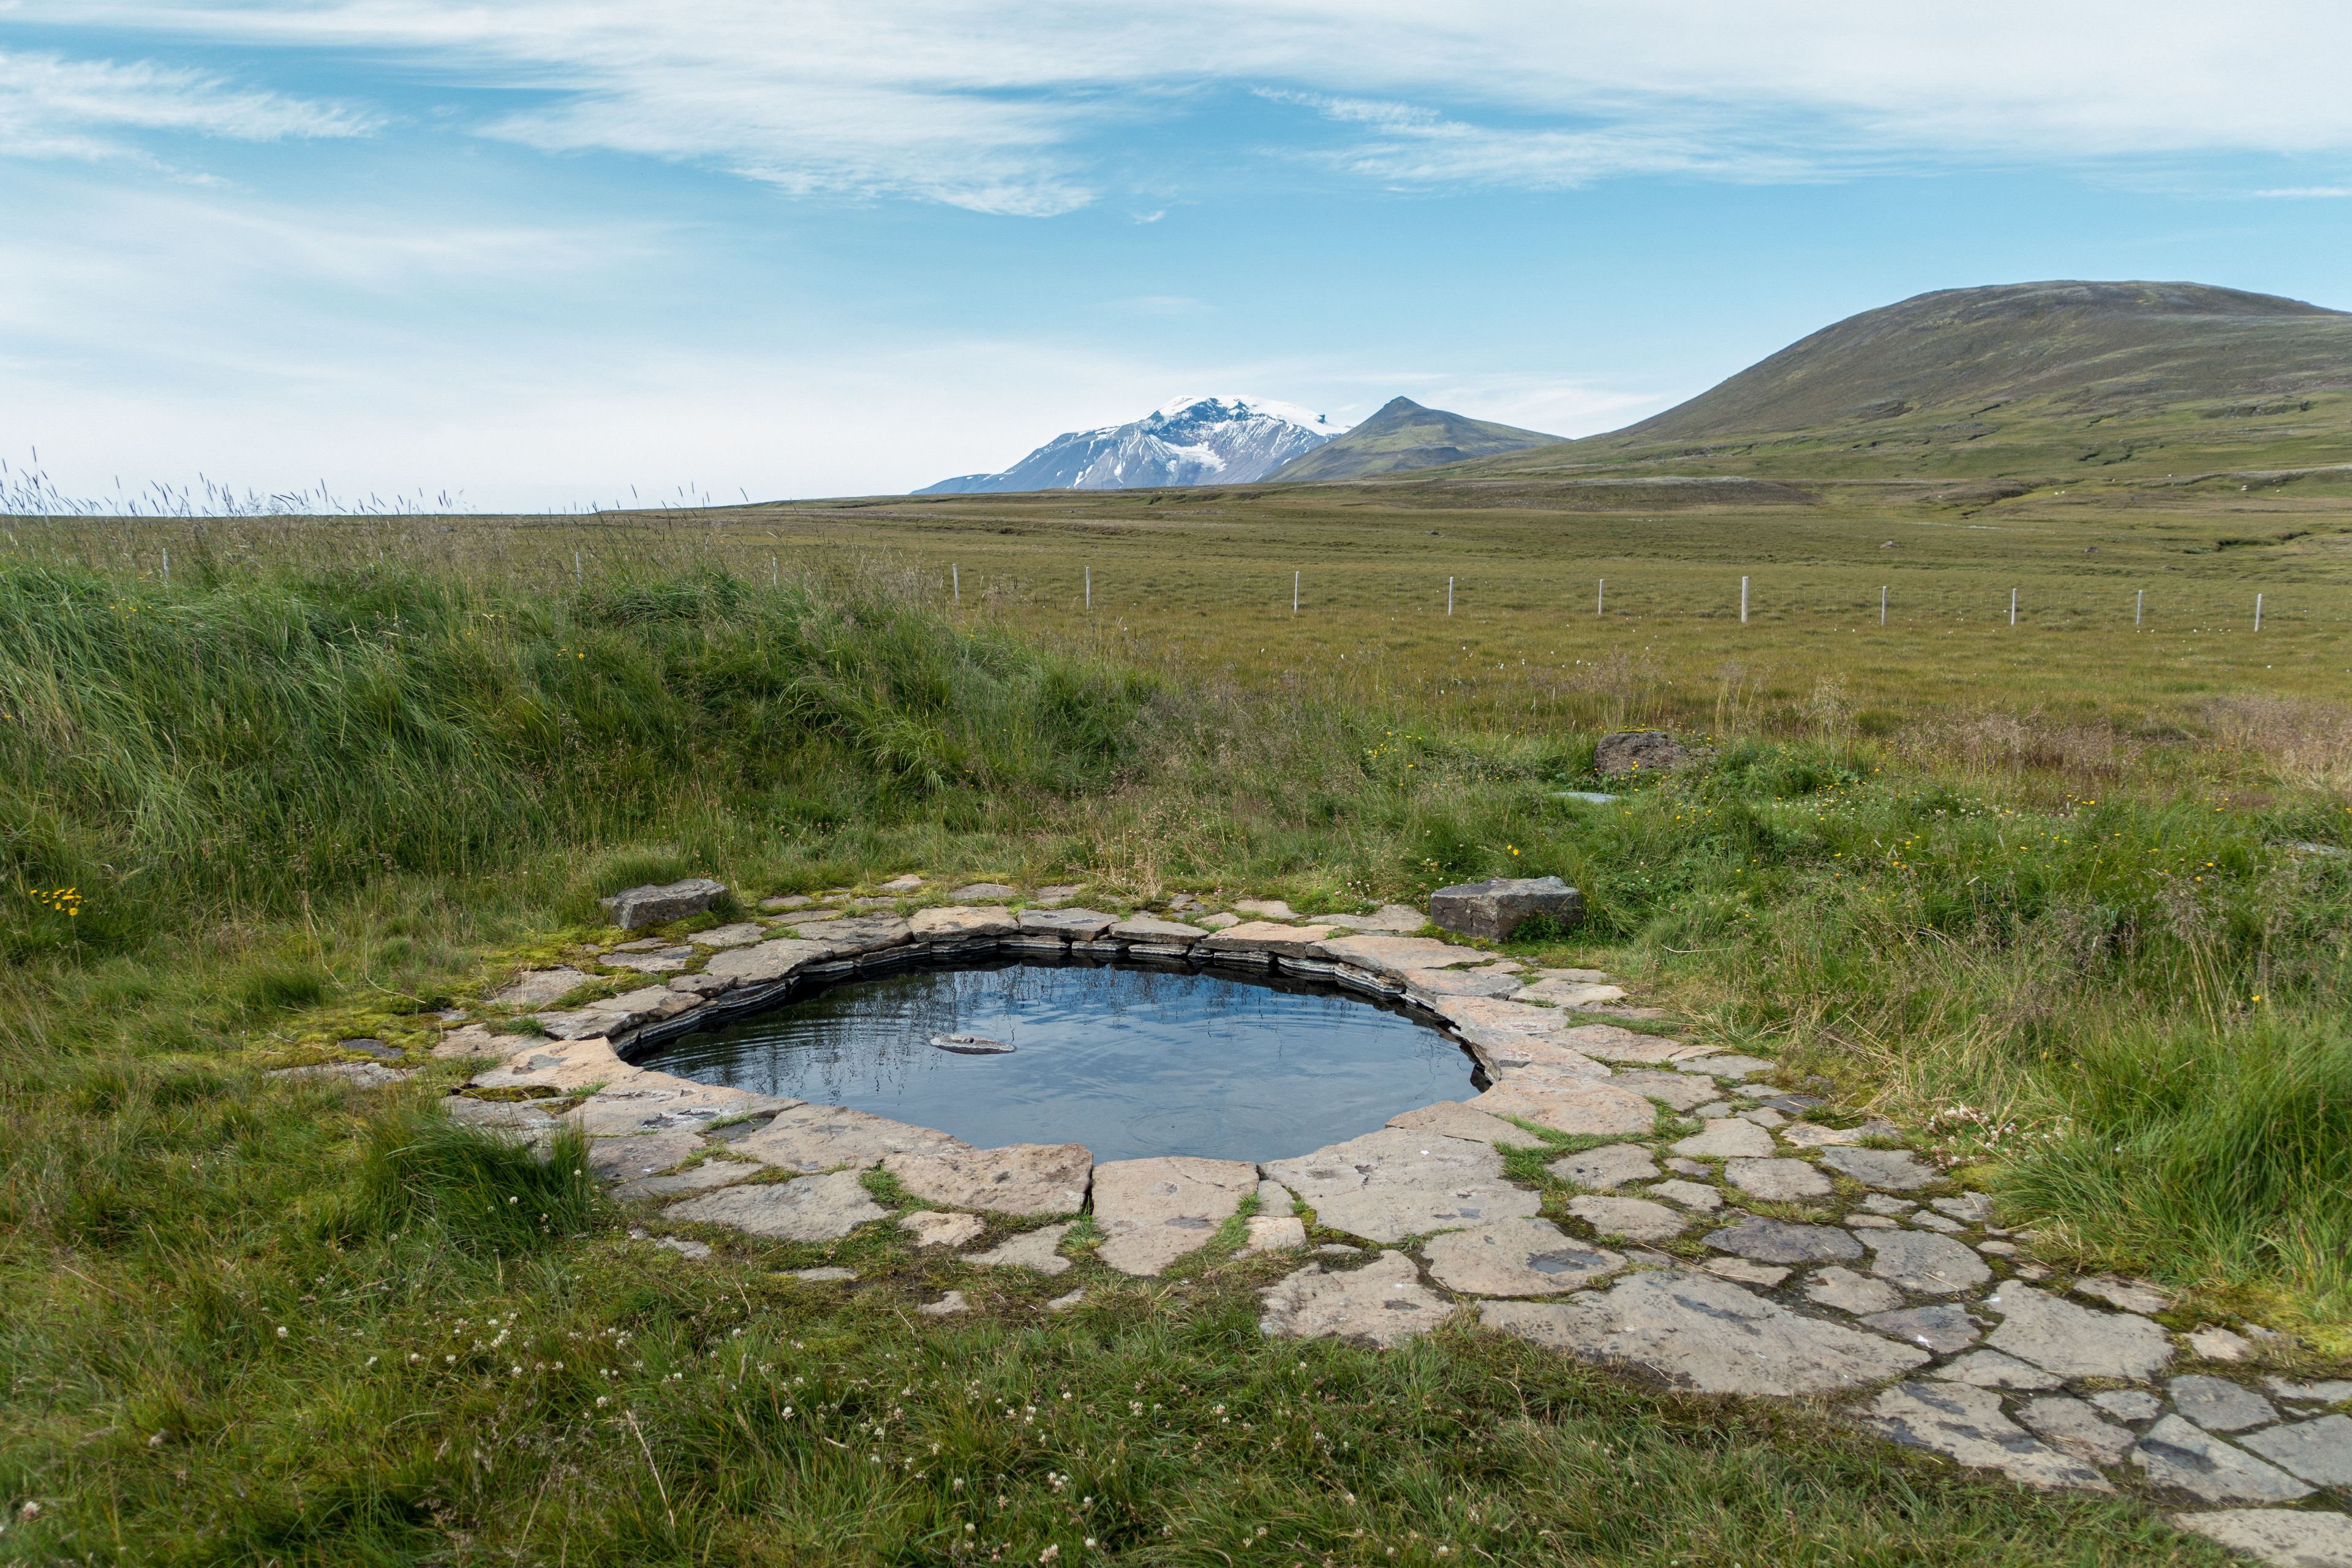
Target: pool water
(1128, 1061)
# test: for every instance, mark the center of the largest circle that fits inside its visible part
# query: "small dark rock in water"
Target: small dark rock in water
(971, 1045)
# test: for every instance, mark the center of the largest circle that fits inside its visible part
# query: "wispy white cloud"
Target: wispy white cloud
(999, 107)
(2308, 193)
(52, 106)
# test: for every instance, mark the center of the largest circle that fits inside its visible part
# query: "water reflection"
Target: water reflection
(1129, 1062)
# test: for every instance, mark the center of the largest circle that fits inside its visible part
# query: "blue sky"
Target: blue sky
(536, 253)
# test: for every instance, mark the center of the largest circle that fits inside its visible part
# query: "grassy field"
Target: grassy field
(2033, 888)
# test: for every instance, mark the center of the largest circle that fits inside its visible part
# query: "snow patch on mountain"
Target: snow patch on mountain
(1192, 441)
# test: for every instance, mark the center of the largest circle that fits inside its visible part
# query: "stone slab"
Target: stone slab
(2131, 1295)
(1038, 1250)
(1636, 1219)
(1570, 995)
(1679, 1090)
(1431, 985)
(864, 933)
(1383, 1303)
(2079, 1429)
(1392, 1183)
(954, 922)
(1706, 1334)
(1453, 1119)
(1942, 1329)
(1923, 1263)
(1264, 936)
(2283, 1538)
(1400, 955)
(642, 1102)
(1152, 1212)
(2176, 1454)
(973, 893)
(765, 962)
(1018, 1179)
(2075, 1341)
(1990, 1369)
(1615, 1043)
(1888, 1169)
(1517, 1257)
(819, 1137)
(567, 1067)
(1776, 1181)
(1151, 929)
(937, 1227)
(811, 1208)
(2220, 1406)
(1811, 1135)
(2318, 1451)
(1584, 1107)
(2129, 1404)
(539, 987)
(1608, 1167)
(1779, 1241)
(1727, 1138)
(693, 1178)
(1273, 1233)
(742, 933)
(1726, 1066)
(1847, 1291)
(1696, 1196)
(1966, 1425)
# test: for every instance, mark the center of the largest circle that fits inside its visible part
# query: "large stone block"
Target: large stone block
(1493, 910)
(633, 908)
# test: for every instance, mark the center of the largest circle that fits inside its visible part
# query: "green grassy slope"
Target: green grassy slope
(2034, 381)
(1406, 436)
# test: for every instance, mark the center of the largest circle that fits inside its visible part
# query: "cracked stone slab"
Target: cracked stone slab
(1969, 1208)
(650, 1101)
(2075, 1341)
(935, 1227)
(1152, 1212)
(2131, 1295)
(2220, 1406)
(1763, 1276)
(2318, 1451)
(1399, 956)
(626, 1159)
(1508, 1050)
(2129, 1404)
(1847, 1291)
(2335, 1391)
(1706, 1334)
(1990, 1369)
(473, 1040)
(2176, 1454)
(951, 922)
(1813, 1135)
(1455, 1119)
(539, 987)
(1038, 1250)
(1923, 1263)
(1262, 936)
(2079, 1429)
(1677, 1090)
(661, 960)
(1390, 1185)
(1152, 929)
(819, 1137)
(1779, 1241)
(742, 933)
(1517, 1257)
(766, 962)
(1432, 983)
(1776, 1181)
(2284, 1538)
(694, 1179)
(1695, 1196)
(566, 1066)
(1888, 1169)
(1018, 1179)
(1942, 1329)
(1615, 1043)
(1607, 1167)
(1636, 1219)
(1570, 995)
(864, 933)
(1583, 1106)
(1732, 1066)
(811, 1208)
(1727, 1138)
(1966, 1425)
(1383, 1303)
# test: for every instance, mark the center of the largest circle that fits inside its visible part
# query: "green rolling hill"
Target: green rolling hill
(2034, 382)
(1403, 436)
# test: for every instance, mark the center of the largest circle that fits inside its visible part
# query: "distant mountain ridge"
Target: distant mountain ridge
(1404, 436)
(1192, 441)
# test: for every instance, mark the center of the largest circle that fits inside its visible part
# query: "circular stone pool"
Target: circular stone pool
(1131, 1062)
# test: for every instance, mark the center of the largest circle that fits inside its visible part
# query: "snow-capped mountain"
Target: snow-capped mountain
(1192, 441)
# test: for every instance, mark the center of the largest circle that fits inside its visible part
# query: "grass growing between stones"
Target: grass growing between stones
(305, 803)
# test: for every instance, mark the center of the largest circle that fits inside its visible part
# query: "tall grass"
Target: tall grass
(248, 740)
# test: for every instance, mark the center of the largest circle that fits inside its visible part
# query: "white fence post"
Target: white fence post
(1882, 604)
(1743, 601)
(2258, 612)
(1600, 596)
(955, 577)
(2139, 606)
(2013, 606)
(1294, 593)
(1090, 587)
(1449, 595)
